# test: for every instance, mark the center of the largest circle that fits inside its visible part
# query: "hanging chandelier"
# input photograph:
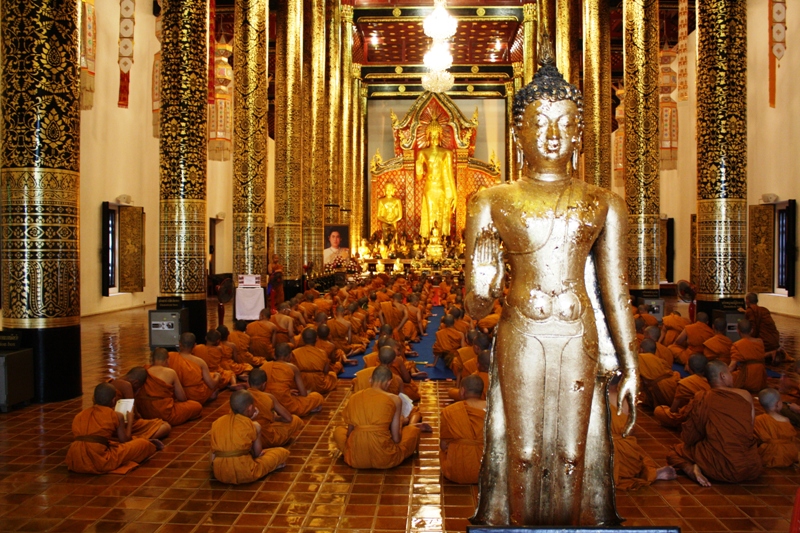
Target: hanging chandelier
(438, 57)
(439, 81)
(439, 25)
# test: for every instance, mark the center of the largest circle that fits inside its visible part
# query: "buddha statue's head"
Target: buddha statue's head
(434, 133)
(390, 190)
(548, 118)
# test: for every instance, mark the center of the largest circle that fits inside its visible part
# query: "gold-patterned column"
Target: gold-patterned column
(356, 204)
(183, 157)
(362, 198)
(250, 131)
(511, 149)
(546, 21)
(563, 38)
(39, 258)
(314, 132)
(641, 42)
(345, 204)
(333, 96)
(289, 137)
(529, 42)
(722, 141)
(596, 93)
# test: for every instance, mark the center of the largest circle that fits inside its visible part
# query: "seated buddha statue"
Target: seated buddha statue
(363, 250)
(390, 209)
(434, 250)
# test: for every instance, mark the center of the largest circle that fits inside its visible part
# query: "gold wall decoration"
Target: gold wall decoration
(693, 249)
(761, 253)
(40, 254)
(346, 146)
(722, 139)
(289, 145)
(641, 142)
(511, 148)
(250, 159)
(529, 42)
(563, 38)
(662, 247)
(357, 203)
(131, 249)
(597, 93)
(333, 191)
(183, 149)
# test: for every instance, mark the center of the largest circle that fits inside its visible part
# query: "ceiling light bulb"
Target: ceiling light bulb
(440, 24)
(438, 57)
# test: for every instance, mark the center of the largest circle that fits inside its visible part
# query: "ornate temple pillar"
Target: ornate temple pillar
(183, 157)
(333, 99)
(357, 203)
(314, 132)
(722, 139)
(289, 138)
(642, 161)
(251, 20)
(346, 144)
(39, 258)
(596, 93)
(362, 197)
(565, 16)
(529, 43)
(511, 149)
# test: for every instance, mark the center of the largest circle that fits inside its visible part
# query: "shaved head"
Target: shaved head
(485, 360)
(323, 331)
(387, 355)
(698, 363)
(769, 398)
(160, 355)
(104, 394)
(744, 326)
(639, 323)
(137, 373)
(213, 337)
(240, 401)
(702, 317)
(283, 350)
(653, 332)
(310, 336)
(647, 346)
(473, 386)
(257, 377)
(449, 320)
(188, 340)
(715, 372)
(720, 325)
(381, 375)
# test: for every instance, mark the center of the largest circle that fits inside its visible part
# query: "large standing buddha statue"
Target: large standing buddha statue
(435, 165)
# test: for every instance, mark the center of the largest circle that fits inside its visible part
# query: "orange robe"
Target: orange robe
(718, 347)
(718, 437)
(371, 360)
(311, 361)
(273, 434)
(308, 309)
(242, 342)
(338, 336)
(674, 325)
(685, 392)
(462, 425)
(633, 468)
(696, 335)
(226, 360)
(156, 399)
(334, 355)
(282, 334)
(411, 327)
(649, 320)
(362, 381)
(213, 358)
(191, 376)
(260, 340)
(280, 383)
(665, 354)
(92, 452)
(763, 326)
(448, 341)
(324, 305)
(142, 428)
(750, 373)
(659, 382)
(489, 321)
(370, 444)
(232, 436)
(410, 389)
(453, 393)
(776, 444)
(393, 317)
(462, 326)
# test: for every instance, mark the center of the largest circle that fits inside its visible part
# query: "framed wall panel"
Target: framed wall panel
(761, 249)
(131, 249)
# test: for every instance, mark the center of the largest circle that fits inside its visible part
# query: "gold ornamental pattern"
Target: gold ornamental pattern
(346, 149)
(644, 237)
(250, 130)
(597, 94)
(721, 248)
(131, 249)
(182, 246)
(529, 42)
(761, 255)
(333, 97)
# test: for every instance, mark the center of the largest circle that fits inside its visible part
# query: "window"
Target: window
(110, 253)
(785, 247)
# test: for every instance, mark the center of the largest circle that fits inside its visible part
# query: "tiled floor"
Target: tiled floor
(173, 491)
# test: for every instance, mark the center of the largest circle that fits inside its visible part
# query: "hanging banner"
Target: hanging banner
(777, 42)
(127, 11)
(88, 52)
(668, 110)
(212, 40)
(683, 56)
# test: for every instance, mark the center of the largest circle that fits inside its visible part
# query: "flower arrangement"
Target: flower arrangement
(341, 264)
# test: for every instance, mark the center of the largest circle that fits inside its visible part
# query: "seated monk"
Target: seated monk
(488, 323)
(482, 342)
(448, 341)
(357, 319)
(461, 433)
(643, 312)
(659, 382)
(414, 327)
(747, 360)
(654, 333)
(405, 369)
(284, 323)
(341, 333)
(361, 312)
(691, 339)
(484, 359)
(371, 359)
(314, 365)
(297, 315)
(262, 334)
(307, 307)
(227, 353)
(285, 382)
(395, 314)
(640, 325)
(94, 428)
(336, 356)
(236, 452)
(312, 288)
(127, 387)
(198, 383)
(374, 436)
(465, 354)
(460, 322)
(241, 339)
(718, 347)
(386, 357)
(278, 425)
(162, 395)
(672, 416)
(763, 327)
(674, 325)
(718, 440)
(213, 360)
(774, 432)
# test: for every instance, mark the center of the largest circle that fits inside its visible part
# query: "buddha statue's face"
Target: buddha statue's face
(549, 135)
(390, 190)
(433, 136)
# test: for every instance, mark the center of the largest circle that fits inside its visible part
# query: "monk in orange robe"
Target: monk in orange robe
(691, 339)
(336, 356)
(414, 327)
(718, 440)
(285, 382)
(374, 436)
(459, 322)
(774, 432)
(395, 314)
(213, 359)
(672, 416)
(386, 357)
(236, 452)
(643, 312)
(241, 339)
(358, 330)
(654, 333)
(92, 452)
(284, 323)
(341, 333)
(484, 359)
(488, 323)
(718, 347)
(747, 360)
(659, 382)
(162, 395)
(127, 387)
(262, 334)
(448, 341)
(278, 425)
(763, 325)
(198, 383)
(674, 324)
(461, 433)
(314, 365)
(307, 306)
(218, 347)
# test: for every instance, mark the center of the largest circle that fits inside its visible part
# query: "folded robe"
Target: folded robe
(232, 436)
(718, 347)
(281, 383)
(462, 425)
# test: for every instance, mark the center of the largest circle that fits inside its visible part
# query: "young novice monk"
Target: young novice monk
(747, 360)
(774, 432)
(273, 433)
(314, 365)
(672, 416)
(461, 433)
(199, 384)
(484, 360)
(286, 384)
(94, 428)
(127, 387)
(162, 395)
(236, 452)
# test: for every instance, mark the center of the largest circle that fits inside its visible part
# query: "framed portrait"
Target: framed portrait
(337, 243)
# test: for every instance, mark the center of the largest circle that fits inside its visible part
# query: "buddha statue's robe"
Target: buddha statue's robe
(92, 451)
(448, 341)
(226, 359)
(462, 425)
(232, 437)
(281, 383)
(156, 399)
(776, 442)
(718, 437)
(191, 376)
(718, 348)
(696, 335)
(363, 377)
(261, 340)
(453, 393)
(751, 372)
(370, 444)
(659, 382)
(633, 468)
(763, 326)
(674, 325)
(213, 359)
(684, 393)
(273, 433)
(242, 342)
(312, 363)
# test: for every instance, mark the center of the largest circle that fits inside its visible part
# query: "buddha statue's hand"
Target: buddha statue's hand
(628, 387)
(487, 265)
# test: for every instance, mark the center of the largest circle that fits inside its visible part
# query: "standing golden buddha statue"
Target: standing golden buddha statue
(548, 452)
(435, 165)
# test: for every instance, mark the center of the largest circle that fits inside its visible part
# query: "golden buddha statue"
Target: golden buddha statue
(434, 250)
(548, 451)
(390, 209)
(363, 250)
(435, 164)
(398, 266)
(380, 267)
